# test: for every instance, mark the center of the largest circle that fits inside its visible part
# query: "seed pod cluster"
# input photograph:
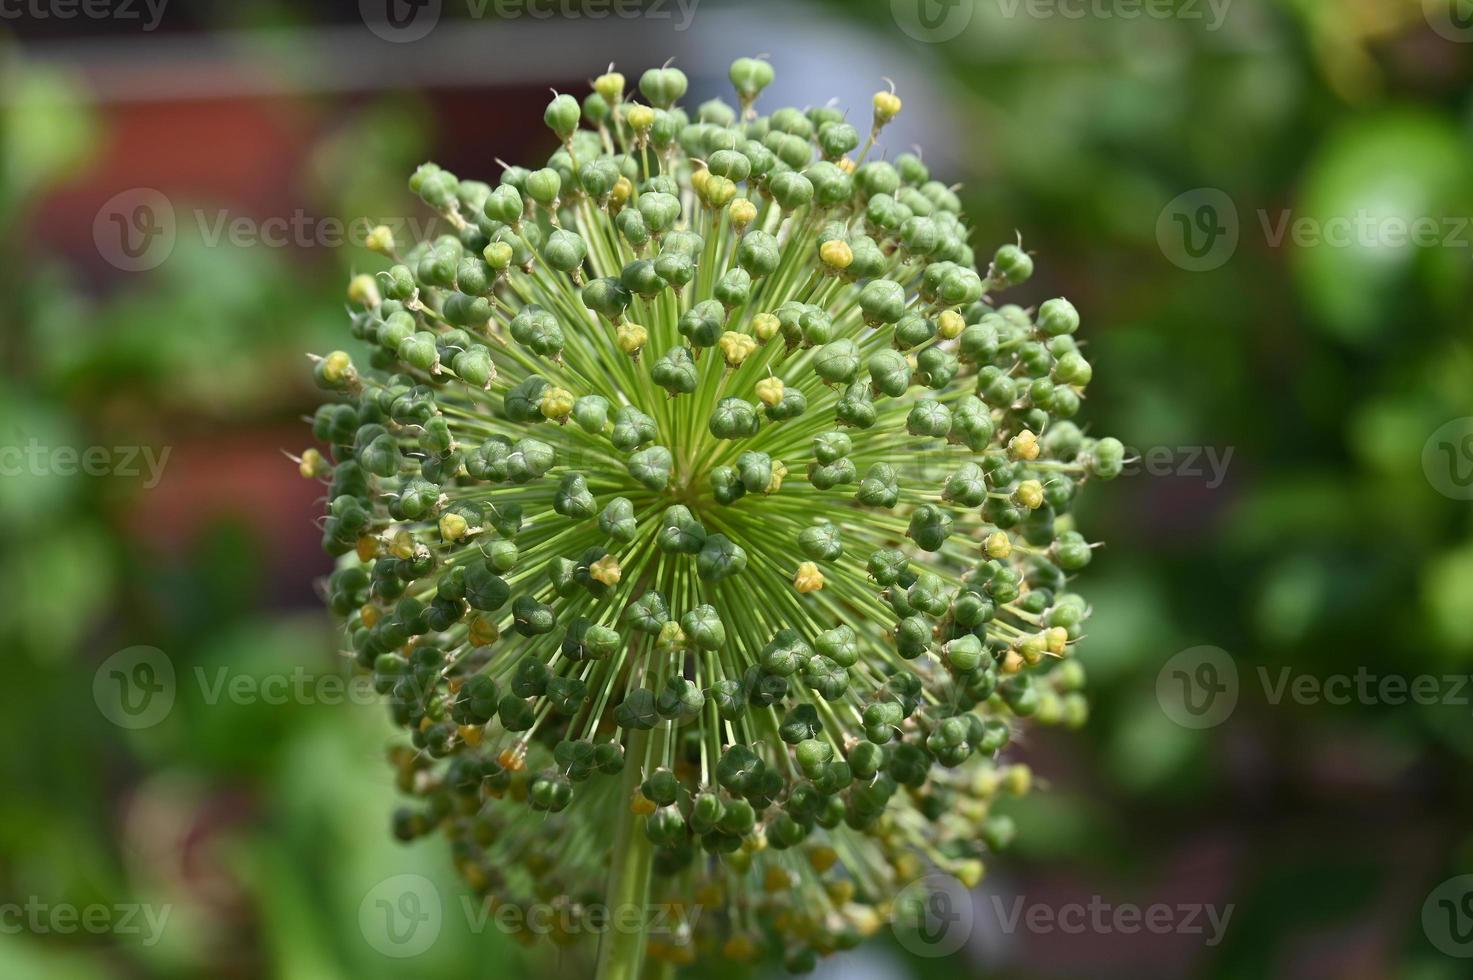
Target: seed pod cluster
(699, 476)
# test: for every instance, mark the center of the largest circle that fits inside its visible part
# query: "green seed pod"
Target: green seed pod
(733, 418)
(632, 429)
(882, 301)
(749, 76)
(837, 362)
(564, 250)
(663, 86)
(720, 558)
(704, 628)
(572, 498)
(676, 371)
(617, 520)
(821, 542)
(544, 186)
(791, 190)
(652, 467)
(562, 116)
(1058, 316)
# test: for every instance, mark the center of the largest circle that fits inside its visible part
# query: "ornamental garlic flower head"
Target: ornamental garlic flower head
(705, 521)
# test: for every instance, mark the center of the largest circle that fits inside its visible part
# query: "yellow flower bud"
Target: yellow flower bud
(743, 212)
(312, 465)
(1029, 494)
(498, 255)
(606, 570)
(808, 579)
(778, 472)
(380, 240)
(1057, 640)
(367, 548)
(836, 253)
(631, 338)
(401, 544)
(1017, 780)
(640, 118)
(822, 857)
(715, 191)
(847, 165)
(736, 346)
(969, 873)
(369, 614)
(998, 545)
(770, 390)
(642, 804)
(950, 324)
(739, 947)
(1024, 445)
(610, 85)
(337, 368)
(1031, 648)
(622, 191)
(887, 107)
(452, 526)
(765, 326)
(557, 403)
(483, 632)
(363, 291)
(698, 179)
(840, 891)
(1012, 662)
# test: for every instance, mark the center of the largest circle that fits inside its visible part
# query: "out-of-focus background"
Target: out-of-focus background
(1262, 207)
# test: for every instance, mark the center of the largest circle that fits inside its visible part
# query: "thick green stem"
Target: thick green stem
(621, 952)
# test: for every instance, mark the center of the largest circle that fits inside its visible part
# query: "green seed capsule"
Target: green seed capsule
(663, 86)
(562, 116)
(720, 558)
(652, 467)
(749, 76)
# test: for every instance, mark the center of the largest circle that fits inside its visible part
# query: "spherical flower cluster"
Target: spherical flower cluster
(705, 520)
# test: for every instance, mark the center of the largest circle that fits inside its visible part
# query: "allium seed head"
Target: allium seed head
(774, 609)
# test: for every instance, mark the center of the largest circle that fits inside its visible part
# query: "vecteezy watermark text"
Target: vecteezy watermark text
(39, 917)
(35, 458)
(1099, 916)
(1207, 463)
(403, 21)
(149, 13)
(1212, 12)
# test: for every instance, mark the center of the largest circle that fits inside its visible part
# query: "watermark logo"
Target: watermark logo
(400, 21)
(1198, 688)
(401, 916)
(134, 688)
(1447, 917)
(932, 21)
(1452, 19)
(933, 916)
(135, 230)
(1447, 459)
(1198, 229)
